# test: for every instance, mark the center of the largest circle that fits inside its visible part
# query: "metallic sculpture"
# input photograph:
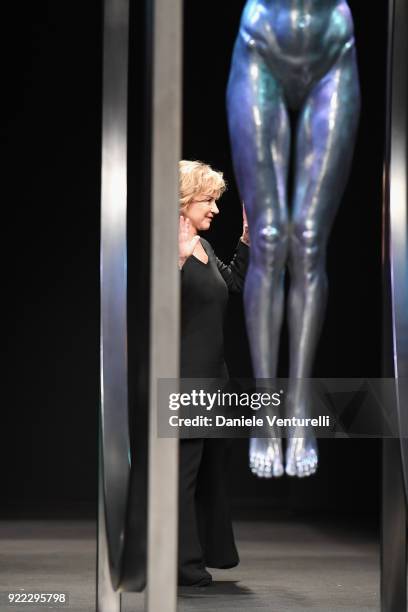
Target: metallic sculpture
(395, 309)
(118, 572)
(291, 55)
(114, 443)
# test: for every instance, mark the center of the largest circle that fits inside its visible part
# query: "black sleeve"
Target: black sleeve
(234, 273)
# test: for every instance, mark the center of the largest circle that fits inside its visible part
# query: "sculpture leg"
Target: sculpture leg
(324, 148)
(260, 140)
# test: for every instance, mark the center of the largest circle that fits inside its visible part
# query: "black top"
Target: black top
(204, 296)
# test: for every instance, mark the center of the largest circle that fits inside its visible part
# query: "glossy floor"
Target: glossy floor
(285, 567)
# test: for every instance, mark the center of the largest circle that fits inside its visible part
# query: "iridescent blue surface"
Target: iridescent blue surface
(298, 55)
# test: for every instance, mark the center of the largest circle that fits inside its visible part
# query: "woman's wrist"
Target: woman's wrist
(181, 262)
(245, 239)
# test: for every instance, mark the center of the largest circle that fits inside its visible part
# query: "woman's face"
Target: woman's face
(201, 211)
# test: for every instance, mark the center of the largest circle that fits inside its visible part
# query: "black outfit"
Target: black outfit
(205, 530)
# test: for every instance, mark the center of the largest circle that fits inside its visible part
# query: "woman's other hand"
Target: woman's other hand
(245, 228)
(187, 244)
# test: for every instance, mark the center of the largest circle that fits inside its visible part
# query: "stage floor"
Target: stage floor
(285, 567)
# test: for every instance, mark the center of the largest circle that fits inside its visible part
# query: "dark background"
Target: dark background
(53, 138)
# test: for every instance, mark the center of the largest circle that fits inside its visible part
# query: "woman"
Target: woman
(205, 531)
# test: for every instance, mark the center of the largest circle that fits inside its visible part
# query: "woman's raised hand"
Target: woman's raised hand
(186, 243)
(245, 228)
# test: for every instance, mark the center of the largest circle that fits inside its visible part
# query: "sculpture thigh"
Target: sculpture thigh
(260, 139)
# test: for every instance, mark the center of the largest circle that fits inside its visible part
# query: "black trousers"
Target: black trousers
(205, 530)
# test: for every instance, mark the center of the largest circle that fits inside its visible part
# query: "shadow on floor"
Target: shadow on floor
(218, 587)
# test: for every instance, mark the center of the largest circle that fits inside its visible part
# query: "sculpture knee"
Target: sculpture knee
(307, 248)
(269, 249)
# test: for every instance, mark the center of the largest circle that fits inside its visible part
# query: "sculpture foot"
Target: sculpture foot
(301, 456)
(266, 457)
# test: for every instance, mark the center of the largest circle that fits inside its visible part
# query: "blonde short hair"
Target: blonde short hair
(199, 178)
